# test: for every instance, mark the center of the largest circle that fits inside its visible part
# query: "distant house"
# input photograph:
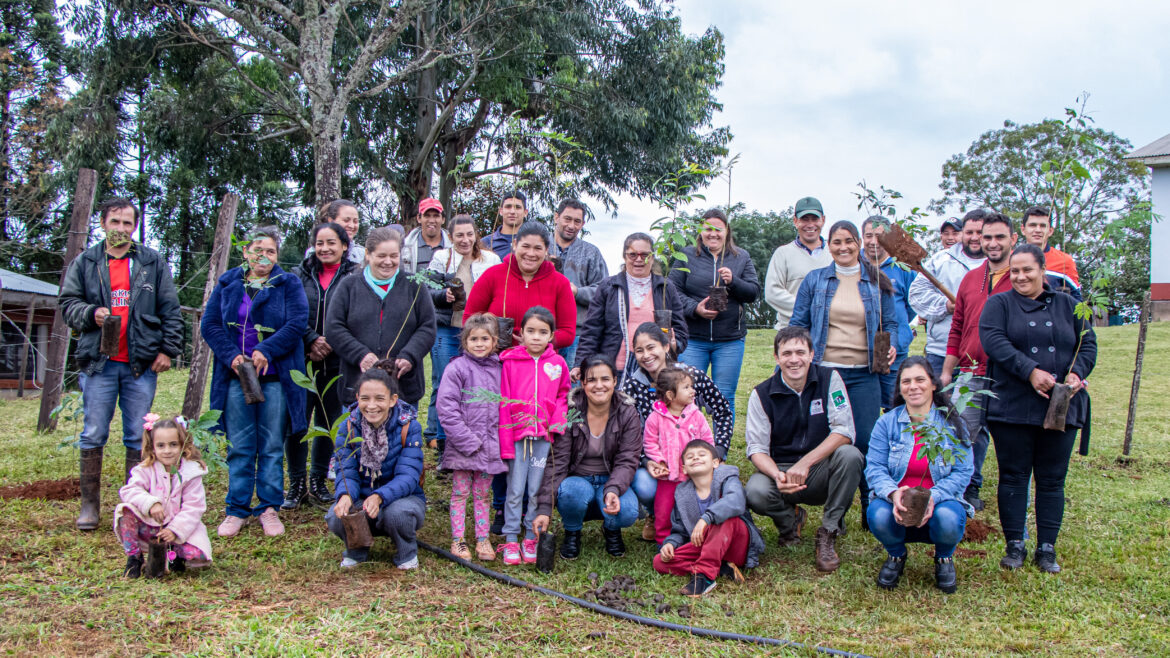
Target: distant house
(1156, 156)
(28, 306)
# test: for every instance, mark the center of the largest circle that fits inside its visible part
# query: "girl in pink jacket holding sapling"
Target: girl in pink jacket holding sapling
(674, 422)
(534, 385)
(163, 502)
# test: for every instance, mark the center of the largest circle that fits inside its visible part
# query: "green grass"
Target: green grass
(61, 592)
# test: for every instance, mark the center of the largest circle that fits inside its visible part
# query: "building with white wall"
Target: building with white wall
(1156, 156)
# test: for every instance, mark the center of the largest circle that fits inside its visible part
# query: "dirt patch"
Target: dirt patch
(978, 531)
(64, 489)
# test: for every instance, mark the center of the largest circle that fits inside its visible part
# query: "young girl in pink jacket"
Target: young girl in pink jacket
(674, 422)
(164, 501)
(534, 384)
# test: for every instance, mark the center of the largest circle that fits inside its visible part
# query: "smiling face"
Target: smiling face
(684, 394)
(328, 247)
(650, 354)
(168, 447)
(873, 248)
(261, 257)
(375, 402)
(463, 235)
(512, 214)
(349, 220)
(714, 235)
(997, 240)
(808, 228)
(1037, 230)
(384, 259)
(973, 238)
(698, 461)
(430, 224)
(530, 252)
(1027, 275)
(599, 385)
(794, 358)
(844, 248)
(480, 343)
(916, 387)
(949, 236)
(639, 257)
(536, 335)
(568, 224)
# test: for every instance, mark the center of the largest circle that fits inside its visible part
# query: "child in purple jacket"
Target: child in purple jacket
(471, 423)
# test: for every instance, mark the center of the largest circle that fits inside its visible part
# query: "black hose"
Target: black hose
(639, 619)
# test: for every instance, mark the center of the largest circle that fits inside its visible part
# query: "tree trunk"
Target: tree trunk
(5, 162)
(1143, 322)
(418, 179)
(327, 163)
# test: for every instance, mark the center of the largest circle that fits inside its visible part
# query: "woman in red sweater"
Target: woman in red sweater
(525, 279)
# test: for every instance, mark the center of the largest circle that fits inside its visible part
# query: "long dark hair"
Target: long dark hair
(941, 399)
(597, 361)
(871, 270)
(342, 237)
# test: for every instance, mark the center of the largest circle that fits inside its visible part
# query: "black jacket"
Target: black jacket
(1020, 334)
(319, 299)
(602, 331)
(731, 324)
(155, 323)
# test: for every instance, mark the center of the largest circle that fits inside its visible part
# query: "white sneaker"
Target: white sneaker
(349, 563)
(412, 563)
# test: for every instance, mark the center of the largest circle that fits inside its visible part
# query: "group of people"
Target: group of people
(555, 384)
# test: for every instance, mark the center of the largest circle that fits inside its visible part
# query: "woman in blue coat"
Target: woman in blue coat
(257, 313)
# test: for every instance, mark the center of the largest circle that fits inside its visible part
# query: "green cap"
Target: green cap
(809, 205)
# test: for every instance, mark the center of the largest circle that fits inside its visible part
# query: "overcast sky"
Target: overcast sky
(822, 95)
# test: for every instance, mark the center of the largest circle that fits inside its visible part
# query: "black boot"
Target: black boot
(1014, 555)
(132, 458)
(91, 488)
(571, 544)
(891, 572)
(319, 491)
(498, 523)
(133, 566)
(613, 542)
(971, 495)
(1045, 558)
(944, 575)
(295, 495)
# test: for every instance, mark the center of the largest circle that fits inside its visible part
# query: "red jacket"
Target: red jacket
(973, 292)
(548, 288)
(1060, 264)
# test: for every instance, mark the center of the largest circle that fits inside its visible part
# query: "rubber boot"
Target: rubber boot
(132, 458)
(91, 488)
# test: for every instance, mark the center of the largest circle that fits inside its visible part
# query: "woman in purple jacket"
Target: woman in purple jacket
(469, 411)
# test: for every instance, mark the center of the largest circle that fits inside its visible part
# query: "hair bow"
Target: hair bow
(150, 419)
(181, 421)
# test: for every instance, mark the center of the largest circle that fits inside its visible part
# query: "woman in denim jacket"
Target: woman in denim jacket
(894, 465)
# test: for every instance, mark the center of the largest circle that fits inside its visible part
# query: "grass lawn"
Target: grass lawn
(61, 591)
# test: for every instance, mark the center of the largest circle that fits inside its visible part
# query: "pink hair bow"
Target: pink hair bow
(150, 419)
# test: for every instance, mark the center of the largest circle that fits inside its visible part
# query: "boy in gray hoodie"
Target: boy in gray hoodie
(712, 533)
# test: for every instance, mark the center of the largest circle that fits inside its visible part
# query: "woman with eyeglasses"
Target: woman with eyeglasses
(626, 300)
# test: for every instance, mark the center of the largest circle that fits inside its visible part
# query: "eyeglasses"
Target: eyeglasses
(638, 255)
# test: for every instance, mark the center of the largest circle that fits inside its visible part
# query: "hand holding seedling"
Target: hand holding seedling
(896, 498)
(540, 524)
(702, 311)
(372, 505)
(260, 361)
(236, 363)
(157, 513)
(725, 274)
(1075, 382)
(167, 536)
(100, 315)
(1042, 381)
(341, 507)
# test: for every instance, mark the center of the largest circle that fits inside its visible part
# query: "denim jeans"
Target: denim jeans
(644, 487)
(255, 458)
(446, 347)
(569, 353)
(890, 382)
(114, 385)
(400, 520)
(936, 363)
(865, 398)
(725, 358)
(944, 529)
(525, 473)
(582, 497)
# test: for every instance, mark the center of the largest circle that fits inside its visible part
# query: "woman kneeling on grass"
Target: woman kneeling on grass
(895, 464)
(379, 464)
(712, 533)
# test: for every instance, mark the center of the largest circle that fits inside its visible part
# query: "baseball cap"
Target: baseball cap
(429, 204)
(953, 222)
(809, 205)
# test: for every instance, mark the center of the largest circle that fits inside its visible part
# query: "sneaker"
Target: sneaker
(270, 521)
(528, 551)
(459, 549)
(484, 550)
(1014, 555)
(731, 572)
(698, 586)
(412, 563)
(511, 551)
(1045, 558)
(349, 562)
(231, 526)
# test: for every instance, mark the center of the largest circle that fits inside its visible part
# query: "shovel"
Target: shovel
(898, 243)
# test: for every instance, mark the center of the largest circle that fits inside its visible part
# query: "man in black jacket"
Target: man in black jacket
(118, 281)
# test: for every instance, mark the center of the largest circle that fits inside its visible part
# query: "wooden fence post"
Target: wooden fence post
(58, 349)
(28, 325)
(200, 352)
(1143, 322)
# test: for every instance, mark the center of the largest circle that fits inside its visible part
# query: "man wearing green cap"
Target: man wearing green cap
(791, 262)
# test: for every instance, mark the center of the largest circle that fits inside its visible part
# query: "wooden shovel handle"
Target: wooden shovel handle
(937, 284)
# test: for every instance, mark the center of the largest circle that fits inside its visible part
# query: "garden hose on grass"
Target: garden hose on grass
(639, 619)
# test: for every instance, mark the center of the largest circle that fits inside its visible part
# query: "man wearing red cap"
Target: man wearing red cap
(422, 242)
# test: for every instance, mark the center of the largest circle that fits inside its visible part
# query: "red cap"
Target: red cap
(429, 204)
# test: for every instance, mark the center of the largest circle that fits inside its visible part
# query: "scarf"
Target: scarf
(639, 288)
(376, 284)
(374, 448)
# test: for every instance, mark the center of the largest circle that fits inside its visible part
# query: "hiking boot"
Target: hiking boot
(826, 551)
(484, 550)
(231, 526)
(891, 572)
(133, 457)
(511, 551)
(731, 572)
(648, 532)
(1014, 555)
(571, 544)
(971, 495)
(460, 550)
(528, 551)
(178, 565)
(270, 522)
(133, 566)
(319, 491)
(1045, 558)
(91, 488)
(295, 495)
(944, 575)
(614, 545)
(498, 523)
(792, 538)
(698, 586)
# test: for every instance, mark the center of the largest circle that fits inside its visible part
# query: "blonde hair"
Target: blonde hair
(190, 450)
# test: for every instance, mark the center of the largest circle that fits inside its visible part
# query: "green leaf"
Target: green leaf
(304, 381)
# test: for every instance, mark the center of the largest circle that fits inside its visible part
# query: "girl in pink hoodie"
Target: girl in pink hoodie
(674, 422)
(534, 385)
(163, 502)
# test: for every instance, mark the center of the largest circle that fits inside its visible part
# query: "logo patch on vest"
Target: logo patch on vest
(816, 408)
(838, 399)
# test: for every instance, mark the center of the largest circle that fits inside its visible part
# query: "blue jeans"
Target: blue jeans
(944, 529)
(255, 458)
(936, 363)
(865, 398)
(569, 353)
(114, 385)
(644, 487)
(581, 498)
(725, 358)
(446, 347)
(890, 383)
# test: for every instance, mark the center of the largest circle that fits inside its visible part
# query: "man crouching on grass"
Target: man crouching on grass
(711, 533)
